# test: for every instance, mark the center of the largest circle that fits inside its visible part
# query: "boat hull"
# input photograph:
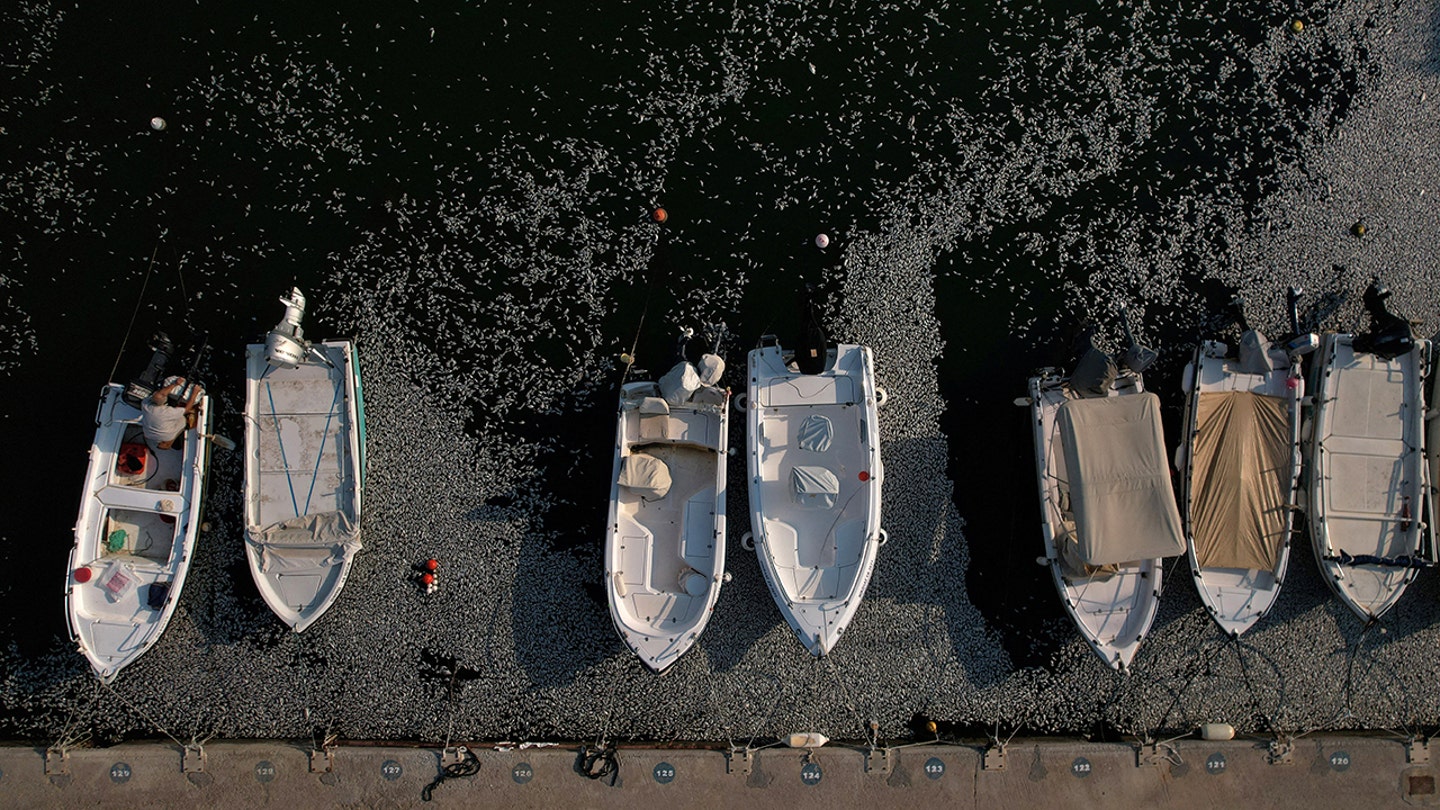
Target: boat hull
(816, 541)
(304, 479)
(141, 525)
(1367, 472)
(1113, 612)
(1237, 597)
(665, 551)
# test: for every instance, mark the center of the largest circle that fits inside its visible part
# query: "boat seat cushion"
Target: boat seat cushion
(679, 383)
(708, 395)
(654, 419)
(815, 486)
(711, 369)
(816, 433)
(646, 476)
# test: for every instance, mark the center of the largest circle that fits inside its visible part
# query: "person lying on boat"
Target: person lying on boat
(162, 422)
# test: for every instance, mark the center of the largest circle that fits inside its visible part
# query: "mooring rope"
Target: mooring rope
(152, 721)
(65, 740)
(468, 766)
(135, 313)
(597, 762)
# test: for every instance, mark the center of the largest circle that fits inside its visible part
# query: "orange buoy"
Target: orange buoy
(432, 564)
(659, 215)
(427, 579)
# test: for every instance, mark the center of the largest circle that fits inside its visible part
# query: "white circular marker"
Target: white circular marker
(157, 123)
(822, 241)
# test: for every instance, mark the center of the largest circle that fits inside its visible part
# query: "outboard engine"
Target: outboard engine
(149, 381)
(1137, 358)
(1297, 344)
(813, 347)
(1094, 370)
(1389, 335)
(152, 379)
(286, 346)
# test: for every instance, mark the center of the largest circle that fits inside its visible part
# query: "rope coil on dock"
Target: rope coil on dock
(597, 762)
(468, 766)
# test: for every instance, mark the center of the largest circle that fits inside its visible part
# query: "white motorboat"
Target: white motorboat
(1240, 465)
(815, 482)
(1107, 509)
(1367, 467)
(135, 535)
(304, 467)
(665, 544)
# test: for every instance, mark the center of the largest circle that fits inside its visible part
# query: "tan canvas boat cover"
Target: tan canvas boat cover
(1120, 488)
(1239, 480)
(308, 541)
(646, 476)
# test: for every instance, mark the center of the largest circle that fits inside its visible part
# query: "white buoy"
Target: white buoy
(1217, 731)
(822, 241)
(157, 123)
(806, 739)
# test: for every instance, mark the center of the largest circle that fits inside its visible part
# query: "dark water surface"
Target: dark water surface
(467, 190)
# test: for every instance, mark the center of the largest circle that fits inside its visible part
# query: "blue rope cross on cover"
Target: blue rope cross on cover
(324, 435)
(319, 457)
(280, 440)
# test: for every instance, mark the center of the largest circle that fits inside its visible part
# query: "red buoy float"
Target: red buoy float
(659, 215)
(82, 575)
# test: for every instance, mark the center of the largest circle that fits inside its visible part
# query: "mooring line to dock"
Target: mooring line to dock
(1351, 653)
(846, 694)
(450, 705)
(1197, 663)
(136, 312)
(769, 715)
(152, 721)
(66, 740)
(1238, 646)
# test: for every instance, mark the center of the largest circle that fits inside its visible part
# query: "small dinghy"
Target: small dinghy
(1367, 470)
(1240, 464)
(139, 515)
(665, 548)
(304, 467)
(815, 480)
(1107, 509)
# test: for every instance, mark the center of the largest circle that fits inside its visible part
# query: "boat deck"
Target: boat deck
(1367, 492)
(301, 421)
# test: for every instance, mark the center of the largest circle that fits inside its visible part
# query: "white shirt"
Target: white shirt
(161, 423)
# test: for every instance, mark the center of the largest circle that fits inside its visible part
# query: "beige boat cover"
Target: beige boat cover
(1120, 488)
(646, 476)
(1240, 479)
(308, 541)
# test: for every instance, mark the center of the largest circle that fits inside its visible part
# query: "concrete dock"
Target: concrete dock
(1314, 772)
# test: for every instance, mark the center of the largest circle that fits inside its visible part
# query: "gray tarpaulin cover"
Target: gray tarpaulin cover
(708, 395)
(815, 433)
(1093, 374)
(308, 541)
(711, 369)
(1240, 480)
(1119, 479)
(646, 476)
(815, 486)
(1255, 353)
(679, 383)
